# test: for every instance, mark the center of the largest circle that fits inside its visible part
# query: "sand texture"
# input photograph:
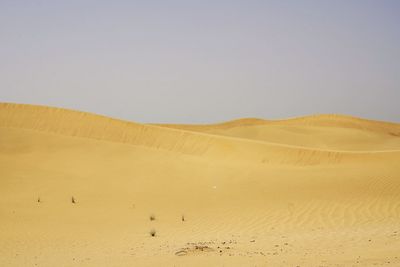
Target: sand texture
(79, 189)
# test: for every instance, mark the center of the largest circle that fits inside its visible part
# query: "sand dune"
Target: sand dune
(312, 191)
(335, 132)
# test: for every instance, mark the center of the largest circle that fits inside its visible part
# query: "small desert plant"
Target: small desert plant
(153, 232)
(73, 200)
(152, 217)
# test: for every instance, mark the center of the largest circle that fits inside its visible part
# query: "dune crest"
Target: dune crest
(82, 124)
(323, 132)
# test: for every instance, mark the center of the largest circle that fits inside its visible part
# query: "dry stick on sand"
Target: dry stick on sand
(38, 200)
(183, 218)
(73, 200)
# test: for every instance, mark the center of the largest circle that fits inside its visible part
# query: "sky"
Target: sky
(203, 61)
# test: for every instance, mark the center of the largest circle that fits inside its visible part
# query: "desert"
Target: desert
(80, 189)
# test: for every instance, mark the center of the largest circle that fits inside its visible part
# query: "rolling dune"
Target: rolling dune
(78, 189)
(332, 132)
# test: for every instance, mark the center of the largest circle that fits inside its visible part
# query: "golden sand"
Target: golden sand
(78, 189)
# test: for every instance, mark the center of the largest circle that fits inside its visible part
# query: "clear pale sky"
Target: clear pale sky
(203, 61)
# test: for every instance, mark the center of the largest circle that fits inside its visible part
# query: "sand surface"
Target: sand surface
(314, 191)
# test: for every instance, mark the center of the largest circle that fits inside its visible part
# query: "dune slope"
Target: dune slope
(335, 132)
(218, 198)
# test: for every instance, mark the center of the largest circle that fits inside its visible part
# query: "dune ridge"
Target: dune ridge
(82, 124)
(328, 120)
(321, 132)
